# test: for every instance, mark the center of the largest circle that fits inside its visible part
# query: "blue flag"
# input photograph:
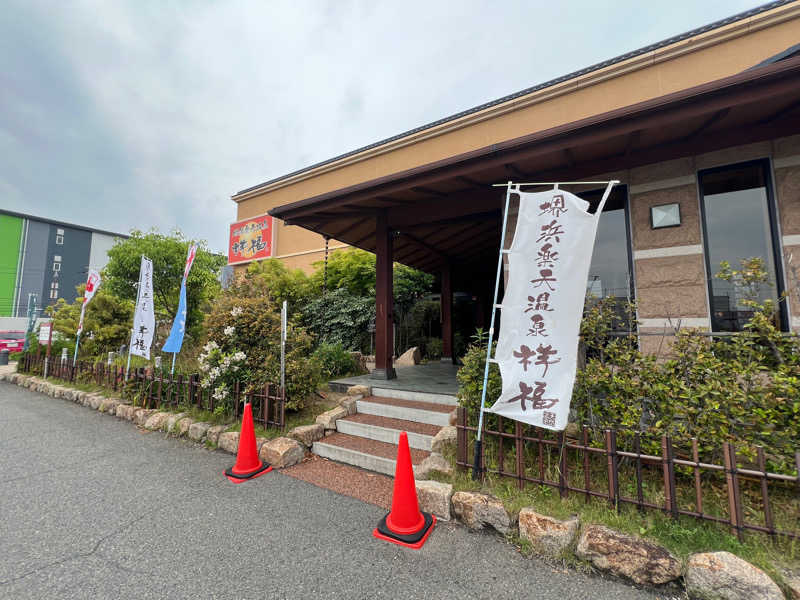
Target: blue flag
(175, 339)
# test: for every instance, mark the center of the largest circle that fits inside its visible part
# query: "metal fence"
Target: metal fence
(592, 463)
(155, 389)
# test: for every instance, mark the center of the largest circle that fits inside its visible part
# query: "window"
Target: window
(59, 237)
(56, 267)
(739, 223)
(611, 268)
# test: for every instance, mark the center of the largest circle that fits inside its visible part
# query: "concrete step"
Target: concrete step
(430, 397)
(383, 429)
(361, 452)
(407, 410)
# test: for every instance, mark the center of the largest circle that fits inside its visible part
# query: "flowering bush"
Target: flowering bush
(244, 345)
(220, 371)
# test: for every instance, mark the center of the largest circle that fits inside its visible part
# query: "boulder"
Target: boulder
(358, 390)
(94, 401)
(198, 431)
(110, 405)
(793, 585)
(548, 536)
(409, 358)
(125, 411)
(452, 418)
(282, 452)
(213, 433)
(182, 426)
(141, 415)
(627, 556)
(434, 497)
(328, 419)
(446, 438)
(156, 421)
(478, 511)
(228, 441)
(83, 398)
(349, 404)
(169, 424)
(307, 434)
(434, 462)
(725, 576)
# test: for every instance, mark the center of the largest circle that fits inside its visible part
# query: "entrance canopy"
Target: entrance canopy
(447, 213)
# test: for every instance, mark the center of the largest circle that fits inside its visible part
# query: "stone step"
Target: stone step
(383, 429)
(361, 452)
(430, 397)
(407, 410)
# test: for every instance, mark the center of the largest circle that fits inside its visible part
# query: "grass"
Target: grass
(305, 416)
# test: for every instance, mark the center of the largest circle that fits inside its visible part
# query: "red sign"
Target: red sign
(250, 240)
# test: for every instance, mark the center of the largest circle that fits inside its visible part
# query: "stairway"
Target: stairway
(368, 439)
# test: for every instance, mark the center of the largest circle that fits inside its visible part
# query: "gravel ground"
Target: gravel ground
(95, 508)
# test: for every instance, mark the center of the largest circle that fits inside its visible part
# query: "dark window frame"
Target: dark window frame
(775, 238)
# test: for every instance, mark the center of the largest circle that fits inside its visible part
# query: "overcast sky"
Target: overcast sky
(142, 114)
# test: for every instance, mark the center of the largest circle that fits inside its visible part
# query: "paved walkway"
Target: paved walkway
(92, 507)
(434, 377)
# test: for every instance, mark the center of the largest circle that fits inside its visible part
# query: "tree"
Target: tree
(168, 253)
(351, 269)
(106, 322)
(272, 279)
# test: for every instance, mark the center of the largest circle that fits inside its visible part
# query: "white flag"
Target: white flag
(541, 312)
(92, 283)
(144, 319)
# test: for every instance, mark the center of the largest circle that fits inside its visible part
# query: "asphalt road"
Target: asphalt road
(91, 507)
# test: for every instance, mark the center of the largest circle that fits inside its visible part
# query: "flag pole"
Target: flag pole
(75, 356)
(476, 466)
(172, 372)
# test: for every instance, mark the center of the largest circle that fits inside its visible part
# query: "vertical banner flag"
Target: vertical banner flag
(144, 319)
(175, 339)
(92, 283)
(537, 348)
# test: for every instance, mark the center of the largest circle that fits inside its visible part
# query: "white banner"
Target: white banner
(541, 312)
(92, 283)
(144, 320)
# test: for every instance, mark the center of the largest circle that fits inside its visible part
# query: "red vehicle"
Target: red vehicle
(12, 341)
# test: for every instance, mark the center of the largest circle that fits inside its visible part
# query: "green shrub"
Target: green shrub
(335, 361)
(470, 376)
(433, 348)
(340, 318)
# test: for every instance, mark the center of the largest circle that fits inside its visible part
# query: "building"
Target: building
(702, 130)
(47, 259)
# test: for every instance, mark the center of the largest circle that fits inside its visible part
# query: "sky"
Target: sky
(152, 114)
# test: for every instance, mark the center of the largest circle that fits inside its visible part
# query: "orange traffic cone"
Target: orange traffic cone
(406, 524)
(248, 465)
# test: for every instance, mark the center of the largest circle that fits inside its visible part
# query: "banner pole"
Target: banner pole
(172, 372)
(75, 356)
(476, 466)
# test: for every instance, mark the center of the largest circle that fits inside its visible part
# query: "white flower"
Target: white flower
(212, 345)
(213, 374)
(205, 383)
(239, 355)
(220, 393)
(230, 330)
(226, 362)
(236, 311)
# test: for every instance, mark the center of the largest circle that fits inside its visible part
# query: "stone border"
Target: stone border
(622, 555)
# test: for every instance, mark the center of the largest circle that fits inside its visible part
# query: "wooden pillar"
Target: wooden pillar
(384, 338)
(447, 314)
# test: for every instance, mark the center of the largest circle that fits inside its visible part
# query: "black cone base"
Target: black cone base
(413, 540)
(238, 477)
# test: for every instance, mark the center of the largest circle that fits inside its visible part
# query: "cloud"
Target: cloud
(149, 114)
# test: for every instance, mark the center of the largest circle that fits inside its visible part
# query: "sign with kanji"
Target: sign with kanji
(250, 240)
(144, 321)
(537, 348)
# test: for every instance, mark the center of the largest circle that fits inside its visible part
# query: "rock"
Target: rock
(434, 497)
(228, 441)
(182, 426)
(793, 585)
(409, 358)
(358, 390)
(307, 434)
(156, 421)
(573, 431)
(452, 418)
(172, 420)
(548, 536)
(446, 438)
(198, 431)
(627, 556)
(435, 462)
(477, 511)
(83, 398)
(212, 435)
(328, 419)
(125, 411)
(109, 406)
(349, 404)
(724, 576)
(282, 452)
(141, 415)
